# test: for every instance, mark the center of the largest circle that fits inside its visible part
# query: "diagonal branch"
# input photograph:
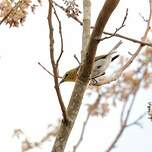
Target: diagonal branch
(136, 122)
(124, 122)
(47, 70)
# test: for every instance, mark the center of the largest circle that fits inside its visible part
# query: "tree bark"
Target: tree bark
(86, 27)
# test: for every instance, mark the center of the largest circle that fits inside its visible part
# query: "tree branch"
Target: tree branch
(136, 122)
(61, 36)
(129, 39)
(124, 122)
(86, 27)
(117, 29)
(47, 70)
(53, 63)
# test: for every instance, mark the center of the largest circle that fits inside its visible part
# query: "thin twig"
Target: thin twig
(53, 63)
(136, 122)
(77, 59)
(116, 139)
(47, 70)
(117, 29)
(61, 36)
(145, 20)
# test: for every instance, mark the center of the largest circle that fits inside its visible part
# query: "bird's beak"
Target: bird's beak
(61, 81)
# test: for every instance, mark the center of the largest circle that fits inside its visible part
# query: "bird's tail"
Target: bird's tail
(113, 50)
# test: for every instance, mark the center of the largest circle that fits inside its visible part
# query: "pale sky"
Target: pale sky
(28, 100)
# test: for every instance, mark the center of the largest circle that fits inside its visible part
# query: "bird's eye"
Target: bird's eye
(66, 75)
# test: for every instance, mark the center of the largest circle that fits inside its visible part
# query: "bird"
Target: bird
(101, 63)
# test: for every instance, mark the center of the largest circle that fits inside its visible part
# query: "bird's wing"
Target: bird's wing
(111, 52)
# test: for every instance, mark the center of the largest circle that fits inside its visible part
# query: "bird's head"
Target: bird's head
(70, 76)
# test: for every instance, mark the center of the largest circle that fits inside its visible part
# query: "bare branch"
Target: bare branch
(47, 70)
(116, 139)
(123, 122)
(53, 63)
(117, 29)
(77, 59)
(130, 39)
(61, 36)
(136, 122)
(145, 20)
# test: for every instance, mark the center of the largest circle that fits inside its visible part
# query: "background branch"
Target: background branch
(130, 39)
(124, 122)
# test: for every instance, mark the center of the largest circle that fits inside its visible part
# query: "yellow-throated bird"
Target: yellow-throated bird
(100, 65)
